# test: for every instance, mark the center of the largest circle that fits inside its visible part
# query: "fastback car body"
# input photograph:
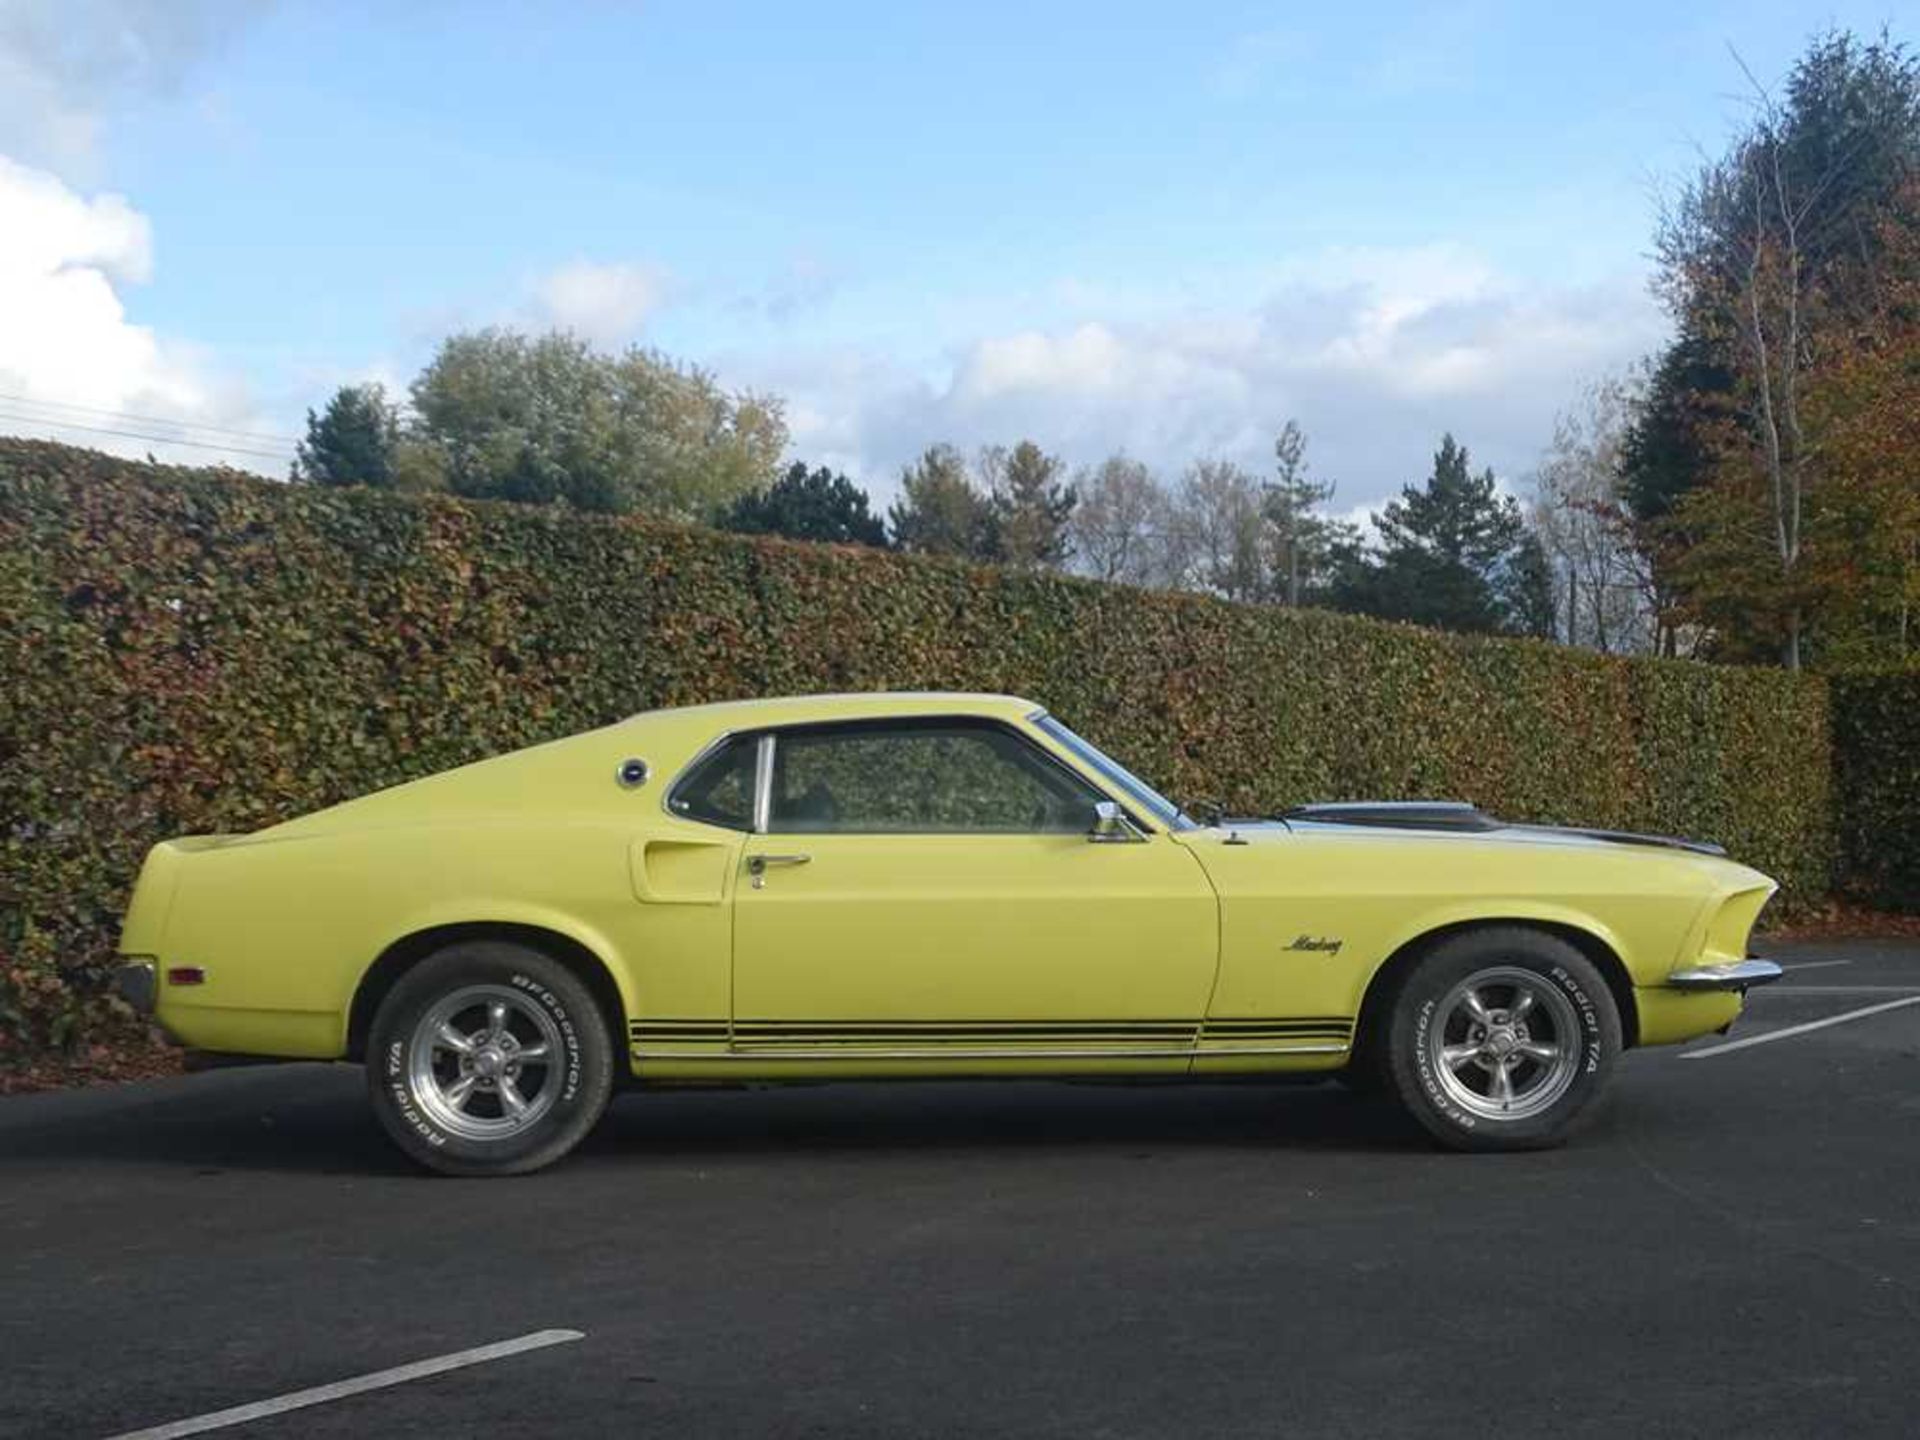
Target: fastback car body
(916, 885)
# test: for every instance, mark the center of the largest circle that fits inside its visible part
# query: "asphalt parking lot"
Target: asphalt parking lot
(1733, 1247)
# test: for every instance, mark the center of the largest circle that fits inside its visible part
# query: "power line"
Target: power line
(129, 416)
(38, 420)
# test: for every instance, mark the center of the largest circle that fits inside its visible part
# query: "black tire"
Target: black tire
(562, 1088)
(1467, 1056)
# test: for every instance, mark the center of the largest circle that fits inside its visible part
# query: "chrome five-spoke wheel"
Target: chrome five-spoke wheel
(1499, 1038)
(481, 1062)
(489, 1058)
(1505, 1043)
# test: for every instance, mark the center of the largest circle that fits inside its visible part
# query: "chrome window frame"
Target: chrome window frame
(1132, 802)
(933, 720)
(700, 757)
(763, 785)
(768, 738)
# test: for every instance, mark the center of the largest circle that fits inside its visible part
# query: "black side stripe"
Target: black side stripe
(977, 1024)
(1280, 1035)
(891, 1023)
(911, 1026)
(854, 1032)
(944, 1032)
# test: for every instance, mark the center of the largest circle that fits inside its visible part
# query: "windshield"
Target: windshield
(1121, 778)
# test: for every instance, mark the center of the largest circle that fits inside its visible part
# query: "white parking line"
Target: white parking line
(340, 1389)
(1793, 1030)
(1815, 965)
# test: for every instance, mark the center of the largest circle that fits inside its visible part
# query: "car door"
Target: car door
(929, 888)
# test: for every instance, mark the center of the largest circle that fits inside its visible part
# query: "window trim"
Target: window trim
(767, 739)
(763, 784)
(1125, 780)
(686, 772)
(764, 795)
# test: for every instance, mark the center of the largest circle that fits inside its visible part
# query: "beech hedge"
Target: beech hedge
(193, 650)
(1876, 734)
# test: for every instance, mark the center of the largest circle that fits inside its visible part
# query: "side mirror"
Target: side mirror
(1110, 825)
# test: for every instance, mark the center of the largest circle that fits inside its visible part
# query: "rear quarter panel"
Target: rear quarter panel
(285, 929)
(286, 922)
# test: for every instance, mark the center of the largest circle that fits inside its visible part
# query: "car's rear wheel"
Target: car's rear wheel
(489, 1058)
(1501, 1039)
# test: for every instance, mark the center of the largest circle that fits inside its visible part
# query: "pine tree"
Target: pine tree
(940, 511)
(1303, 541)
(1031, 505)
(352, 443)
(1526, 589)
(808, 505)
(1452, 553)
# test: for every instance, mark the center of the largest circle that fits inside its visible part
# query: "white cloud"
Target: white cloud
(1375, 352)
(64, 64)
(606, 304)
(72, 365)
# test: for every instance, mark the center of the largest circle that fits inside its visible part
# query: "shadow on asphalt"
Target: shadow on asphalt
(315, 1119)
(319, 1126)
(1002, 1115)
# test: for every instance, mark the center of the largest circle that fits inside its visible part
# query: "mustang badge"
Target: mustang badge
(1324, 943)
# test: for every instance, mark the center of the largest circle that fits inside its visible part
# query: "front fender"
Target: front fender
(1512, 911)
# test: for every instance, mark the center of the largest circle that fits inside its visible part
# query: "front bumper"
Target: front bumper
(1735, 975)
(138, 983)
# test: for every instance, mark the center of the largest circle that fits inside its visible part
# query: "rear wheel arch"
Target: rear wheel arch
(1376, 1005)
(408, 951)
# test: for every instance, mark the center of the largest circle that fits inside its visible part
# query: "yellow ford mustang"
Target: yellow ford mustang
(903, 886)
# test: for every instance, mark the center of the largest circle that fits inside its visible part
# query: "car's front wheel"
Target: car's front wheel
(489, 1058)
(1501, 1039)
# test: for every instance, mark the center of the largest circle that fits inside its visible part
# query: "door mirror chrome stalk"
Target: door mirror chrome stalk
(1111, 826)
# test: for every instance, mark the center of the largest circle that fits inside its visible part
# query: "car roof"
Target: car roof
(862, 705)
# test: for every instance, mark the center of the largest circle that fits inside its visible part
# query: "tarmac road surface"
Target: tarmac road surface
(1734, 1247)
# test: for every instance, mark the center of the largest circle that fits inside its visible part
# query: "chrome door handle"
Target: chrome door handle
(758, 865)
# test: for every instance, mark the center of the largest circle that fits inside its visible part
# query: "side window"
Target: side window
(720, 789)
(940, 778)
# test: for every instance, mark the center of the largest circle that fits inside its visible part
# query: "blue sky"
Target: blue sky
(1167, 228)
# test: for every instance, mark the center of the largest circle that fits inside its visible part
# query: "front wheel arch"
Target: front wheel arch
(1376, 1005)
(408, 951)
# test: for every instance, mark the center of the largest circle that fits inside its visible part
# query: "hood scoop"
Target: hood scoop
(1399, 815)
(1458, 818)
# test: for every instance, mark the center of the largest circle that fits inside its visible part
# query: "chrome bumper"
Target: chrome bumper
(1738, 975)
(136, 981)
